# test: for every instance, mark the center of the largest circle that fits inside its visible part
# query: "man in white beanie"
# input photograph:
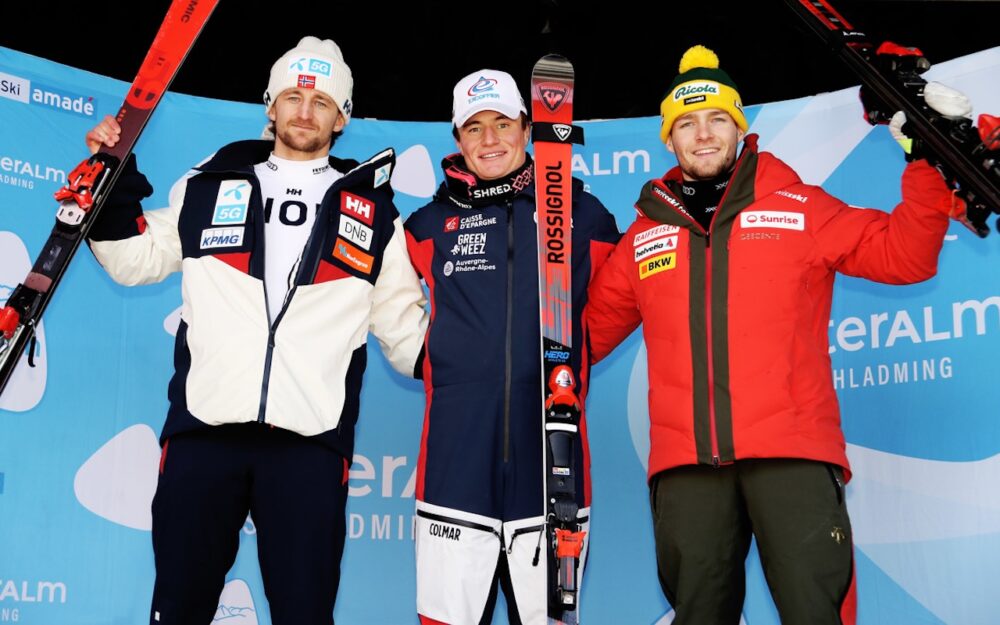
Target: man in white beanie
(480, 510)
(271, 347)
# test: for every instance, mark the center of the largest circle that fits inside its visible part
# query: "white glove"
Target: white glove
(943, 99)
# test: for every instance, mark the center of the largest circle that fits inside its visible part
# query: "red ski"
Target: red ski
(967, 156)
(553, 135)
(89, 184)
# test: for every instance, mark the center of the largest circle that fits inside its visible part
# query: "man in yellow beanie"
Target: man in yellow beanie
(271, 346)
(730, 267)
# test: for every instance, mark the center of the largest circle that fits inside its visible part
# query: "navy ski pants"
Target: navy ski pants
(295, 491)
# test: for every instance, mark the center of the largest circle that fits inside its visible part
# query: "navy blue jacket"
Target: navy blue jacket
(481, 446)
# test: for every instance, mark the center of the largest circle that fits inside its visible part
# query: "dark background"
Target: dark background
(406, 57)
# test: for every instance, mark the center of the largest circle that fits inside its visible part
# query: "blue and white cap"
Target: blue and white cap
(313, 64)
(486, 90)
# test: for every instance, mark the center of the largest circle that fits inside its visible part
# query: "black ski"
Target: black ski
(90, 183)
(968, 157)
(553, 134)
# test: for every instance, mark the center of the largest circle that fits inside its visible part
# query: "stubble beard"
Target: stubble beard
(307, 145)
(708, 171)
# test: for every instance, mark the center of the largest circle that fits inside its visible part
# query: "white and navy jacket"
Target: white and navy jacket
(302, 370)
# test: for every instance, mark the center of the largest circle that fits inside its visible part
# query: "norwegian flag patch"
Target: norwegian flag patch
(307, 81)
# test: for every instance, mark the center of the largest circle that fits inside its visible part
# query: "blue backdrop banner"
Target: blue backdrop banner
(78, 432)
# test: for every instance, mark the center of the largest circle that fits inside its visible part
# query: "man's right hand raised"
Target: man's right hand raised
(106, 133)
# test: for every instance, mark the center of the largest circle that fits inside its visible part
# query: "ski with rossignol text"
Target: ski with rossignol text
(967, 156)
(553, 135)
(90, 183)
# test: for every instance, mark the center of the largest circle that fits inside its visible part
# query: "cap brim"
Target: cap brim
(513, 112)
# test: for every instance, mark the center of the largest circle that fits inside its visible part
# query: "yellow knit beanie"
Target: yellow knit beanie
(700, 85)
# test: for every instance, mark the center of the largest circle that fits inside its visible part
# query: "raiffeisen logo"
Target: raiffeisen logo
(62, 100)
(27, 384)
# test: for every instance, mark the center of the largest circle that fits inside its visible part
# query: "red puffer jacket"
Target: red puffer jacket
(735, 320)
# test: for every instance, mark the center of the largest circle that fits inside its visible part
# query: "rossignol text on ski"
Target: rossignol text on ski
(553, 135)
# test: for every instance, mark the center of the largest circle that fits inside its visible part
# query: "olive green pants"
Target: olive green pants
(703, 519)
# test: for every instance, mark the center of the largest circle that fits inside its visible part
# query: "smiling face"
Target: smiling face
(492, 144)
(704, 142)
(304, 123)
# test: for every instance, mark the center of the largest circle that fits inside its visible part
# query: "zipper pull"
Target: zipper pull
(538, 547)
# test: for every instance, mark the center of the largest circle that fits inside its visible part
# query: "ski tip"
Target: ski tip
(553, 64)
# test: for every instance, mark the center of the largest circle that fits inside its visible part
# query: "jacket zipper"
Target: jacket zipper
(508, 358)
(713, 432)
(273, 325)
(713, 426)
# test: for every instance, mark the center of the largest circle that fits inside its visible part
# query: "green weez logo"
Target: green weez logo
(698, 88)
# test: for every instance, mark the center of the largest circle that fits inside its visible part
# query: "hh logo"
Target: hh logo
(657, 264)
(451, 224)
(357, 206)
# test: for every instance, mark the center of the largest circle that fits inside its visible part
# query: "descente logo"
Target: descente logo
(773, 219)
(696, 88)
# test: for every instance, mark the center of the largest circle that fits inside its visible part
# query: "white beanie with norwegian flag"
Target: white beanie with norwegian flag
(313, 64)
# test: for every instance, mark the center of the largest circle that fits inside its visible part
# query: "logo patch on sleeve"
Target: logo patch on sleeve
(655, 247)
(351, 255)
(773, 219)
(231, 203)
(655, 265)
(654, 233)
(221, 237)
(357, 206)
(355, 231)
(382, 175)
